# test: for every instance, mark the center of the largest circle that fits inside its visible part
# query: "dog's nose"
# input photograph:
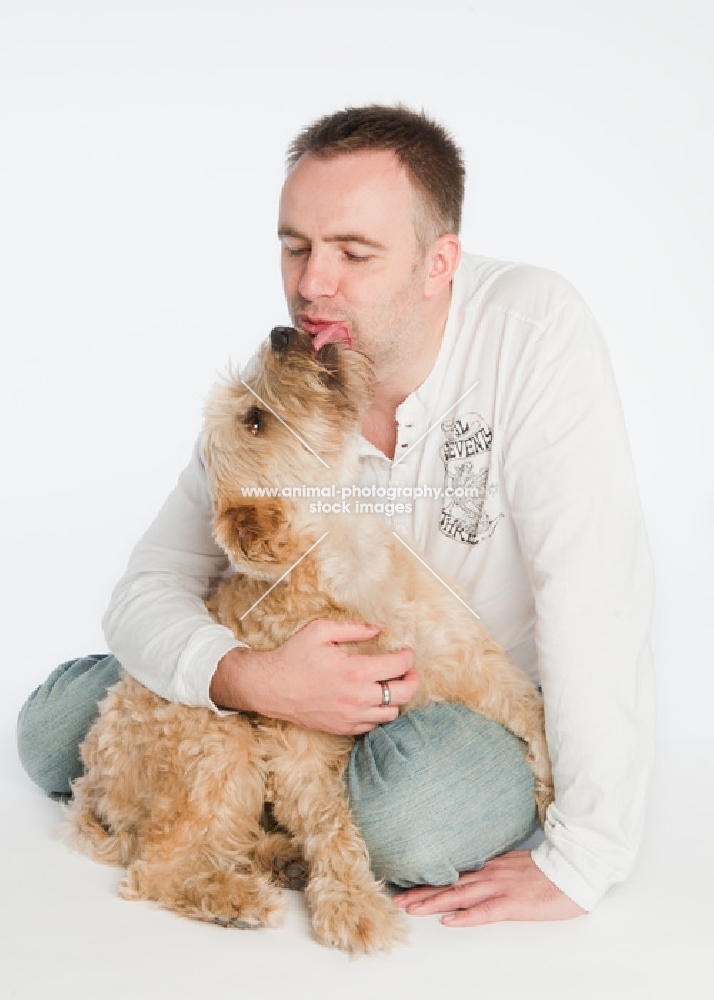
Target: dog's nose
(280, 337)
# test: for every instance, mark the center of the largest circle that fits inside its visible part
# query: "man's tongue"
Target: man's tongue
(331, 333)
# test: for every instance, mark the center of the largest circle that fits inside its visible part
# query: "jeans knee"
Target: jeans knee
(42, 766)
(438, 792)
(25, 736)
(57, 716)
(401, 852)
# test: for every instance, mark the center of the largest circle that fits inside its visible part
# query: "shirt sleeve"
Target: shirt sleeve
(570, 483)
(157, 624)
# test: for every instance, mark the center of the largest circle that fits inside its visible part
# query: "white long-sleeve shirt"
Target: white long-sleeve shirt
(521, 411)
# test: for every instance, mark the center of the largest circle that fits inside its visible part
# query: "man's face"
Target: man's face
(350, 254)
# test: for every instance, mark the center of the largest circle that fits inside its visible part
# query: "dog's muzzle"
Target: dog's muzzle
(280, 337)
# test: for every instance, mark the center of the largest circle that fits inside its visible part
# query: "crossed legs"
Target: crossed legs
(434, 793)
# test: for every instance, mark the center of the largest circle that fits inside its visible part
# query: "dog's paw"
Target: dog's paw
(249, 914)
(358, 921)
(290, 871)
(242, 923)
(245, 906)
(247, 903)
(279, 857)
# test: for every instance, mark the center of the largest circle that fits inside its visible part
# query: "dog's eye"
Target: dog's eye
(254, 420)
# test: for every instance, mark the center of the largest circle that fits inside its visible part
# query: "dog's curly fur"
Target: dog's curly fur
(176, 794)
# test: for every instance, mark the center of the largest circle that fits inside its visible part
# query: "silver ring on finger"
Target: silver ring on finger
(386, 694)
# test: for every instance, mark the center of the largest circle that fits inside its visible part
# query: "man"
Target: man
(490, 376)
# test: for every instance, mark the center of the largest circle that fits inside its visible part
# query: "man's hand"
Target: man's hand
(311, 682)
(509, 887)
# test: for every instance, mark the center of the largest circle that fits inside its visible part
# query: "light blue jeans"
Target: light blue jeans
(434, 793)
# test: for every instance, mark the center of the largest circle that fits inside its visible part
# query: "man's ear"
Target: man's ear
(444, 255)
(256, 530)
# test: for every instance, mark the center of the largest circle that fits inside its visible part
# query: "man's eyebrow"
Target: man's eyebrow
(337, 238)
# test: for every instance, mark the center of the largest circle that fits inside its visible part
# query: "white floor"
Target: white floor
(65, 933)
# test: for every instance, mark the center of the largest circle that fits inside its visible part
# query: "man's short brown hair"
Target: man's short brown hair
(424, 148)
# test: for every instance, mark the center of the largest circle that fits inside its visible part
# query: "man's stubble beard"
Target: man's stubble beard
(394, 339)
(391, 339)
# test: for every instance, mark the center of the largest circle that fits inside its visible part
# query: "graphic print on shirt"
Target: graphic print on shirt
(467, 514)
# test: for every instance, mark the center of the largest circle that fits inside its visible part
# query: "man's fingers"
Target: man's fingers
(331, 631)
(470, 904)
(490, 911)
(418, 895)
(350, 692)
(385, 666)
(401, 691)
(374, 713)
(510, 887)
(453, 897)
(381, 717)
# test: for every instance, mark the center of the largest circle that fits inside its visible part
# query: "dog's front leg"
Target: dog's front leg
(349, 908)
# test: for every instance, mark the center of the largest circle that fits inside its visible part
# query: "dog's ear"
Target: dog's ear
(256, 530)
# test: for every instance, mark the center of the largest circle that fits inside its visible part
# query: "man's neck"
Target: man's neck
(395, 384)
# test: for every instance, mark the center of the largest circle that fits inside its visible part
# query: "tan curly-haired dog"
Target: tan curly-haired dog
(176, 793)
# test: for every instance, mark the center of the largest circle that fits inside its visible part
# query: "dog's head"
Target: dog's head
(293, 422)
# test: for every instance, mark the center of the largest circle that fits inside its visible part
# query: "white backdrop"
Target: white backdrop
(141, 156)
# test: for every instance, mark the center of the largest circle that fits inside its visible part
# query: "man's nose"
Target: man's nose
(319, 277)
